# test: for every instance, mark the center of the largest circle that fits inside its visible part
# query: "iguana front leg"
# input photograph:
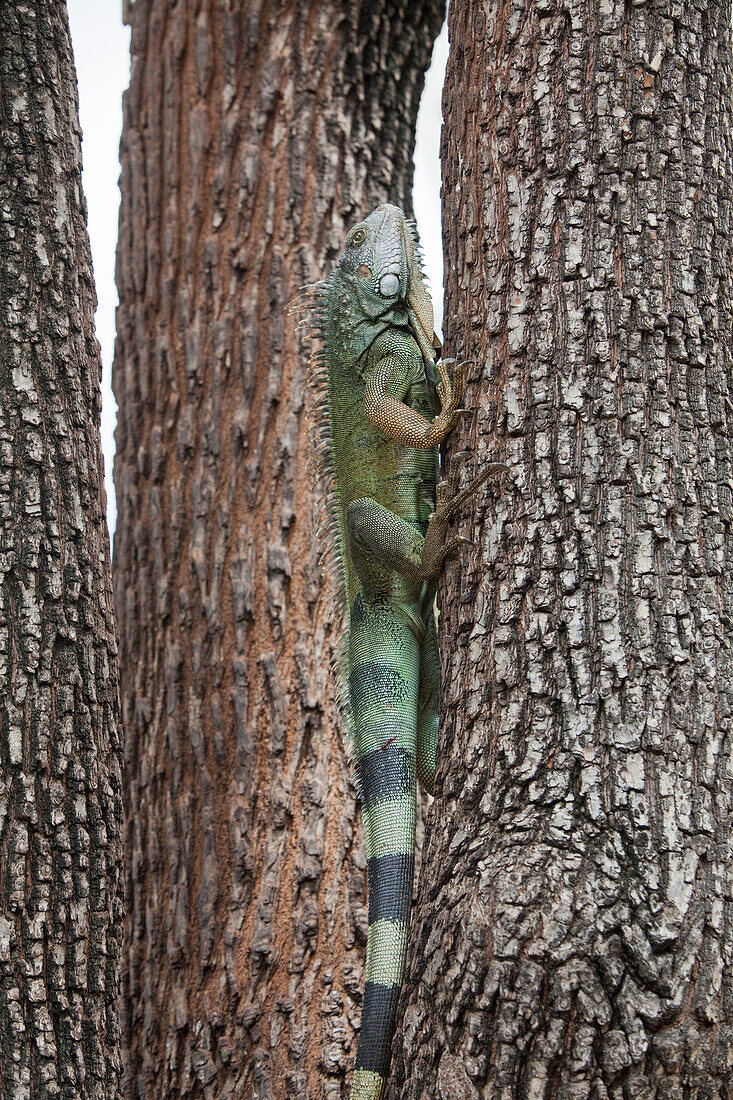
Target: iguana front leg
(398, 421)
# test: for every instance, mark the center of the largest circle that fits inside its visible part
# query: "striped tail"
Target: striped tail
(388, 787)
(384, 673)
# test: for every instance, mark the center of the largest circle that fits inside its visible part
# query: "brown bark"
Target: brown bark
(574, 934)
(60, 742)
(254, 135)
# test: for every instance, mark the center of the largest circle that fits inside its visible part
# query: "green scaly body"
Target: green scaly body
(380, 437)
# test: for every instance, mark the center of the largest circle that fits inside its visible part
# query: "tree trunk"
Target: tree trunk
(254, 136)
(60, 741)
(574, 933)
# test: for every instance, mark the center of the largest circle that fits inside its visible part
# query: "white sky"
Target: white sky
(101, 51)
(102, 54)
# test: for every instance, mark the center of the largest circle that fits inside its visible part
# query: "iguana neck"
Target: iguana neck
(349, 327)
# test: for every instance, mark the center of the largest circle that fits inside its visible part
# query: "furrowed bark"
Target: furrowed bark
(574, 933)
(254, 135)
(60, 738)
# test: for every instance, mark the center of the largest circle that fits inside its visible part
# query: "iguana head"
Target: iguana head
(382, 264)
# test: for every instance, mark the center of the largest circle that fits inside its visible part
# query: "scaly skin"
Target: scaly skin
(380, 441)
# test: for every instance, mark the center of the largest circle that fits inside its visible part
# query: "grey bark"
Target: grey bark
(574, 933)
(60, 742)
(254, 136)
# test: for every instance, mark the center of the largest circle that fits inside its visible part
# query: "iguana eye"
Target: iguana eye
(358, 236)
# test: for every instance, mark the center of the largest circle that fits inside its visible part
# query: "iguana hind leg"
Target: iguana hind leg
(394, 543)
(379, 537)
(449, 499)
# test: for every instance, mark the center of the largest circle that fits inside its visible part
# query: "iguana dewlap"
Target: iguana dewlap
(380, 391)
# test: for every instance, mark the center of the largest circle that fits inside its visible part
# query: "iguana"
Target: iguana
(387, 517)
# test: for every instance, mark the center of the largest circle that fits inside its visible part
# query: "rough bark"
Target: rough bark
(254, 135)
(60, 742)
(574, 934)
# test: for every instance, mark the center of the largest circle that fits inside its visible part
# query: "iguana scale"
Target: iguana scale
(387, 517)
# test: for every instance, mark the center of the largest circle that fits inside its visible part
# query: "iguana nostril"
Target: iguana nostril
(389, 285)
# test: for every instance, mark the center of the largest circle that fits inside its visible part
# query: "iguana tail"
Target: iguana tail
(384, 699)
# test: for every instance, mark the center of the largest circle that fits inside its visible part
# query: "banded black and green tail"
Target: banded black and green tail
(384, 705)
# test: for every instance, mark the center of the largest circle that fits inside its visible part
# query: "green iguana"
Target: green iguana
(387, 520)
